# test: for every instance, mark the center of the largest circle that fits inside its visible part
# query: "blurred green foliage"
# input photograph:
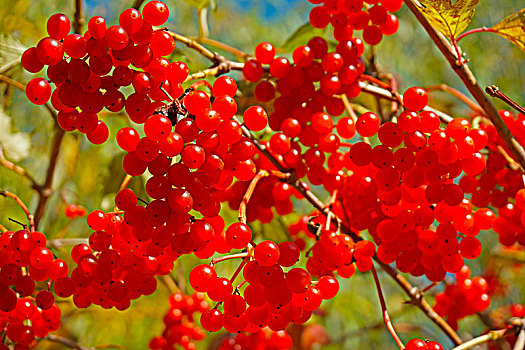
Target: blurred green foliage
(90, 175)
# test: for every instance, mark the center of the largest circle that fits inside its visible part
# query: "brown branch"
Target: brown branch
(470, 82)
(78, 19)
(46, 188)
(21, 204)
(65, 341)
(458, 94)
(386, 317)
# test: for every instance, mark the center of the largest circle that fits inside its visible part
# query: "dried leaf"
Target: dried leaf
(512, 28)
(450, 19)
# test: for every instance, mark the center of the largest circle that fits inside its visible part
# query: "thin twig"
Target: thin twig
(470, 82)
(458, 94)
(228, 257)
(494, 91)
(170, 283)
(65, 242)
(19, 170)
(248, 194)
(204, 31)
(224, 47)
(46, 188)
(3, 228)
(21, 204)
(351, 113)
(386, 317)
(516, 327)
(65, 341)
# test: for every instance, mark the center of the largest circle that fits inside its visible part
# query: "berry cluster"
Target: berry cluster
(464, 298)
(272, 297)
(260, 340)
(28, 310)
(500, 185)
(347, 16)
(73, 211)
(180, 329)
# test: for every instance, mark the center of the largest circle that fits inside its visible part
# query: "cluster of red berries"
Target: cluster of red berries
(25, 261)
(500, 185)
(73, 211)
(180, 329)
(419, 344)
(121, 261)
(272, 297)
(466, 297)
(80, 66)
(347, 16)
(262, 340)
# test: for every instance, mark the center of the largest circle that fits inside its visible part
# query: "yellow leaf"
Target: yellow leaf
(450, 19)
(512, 28)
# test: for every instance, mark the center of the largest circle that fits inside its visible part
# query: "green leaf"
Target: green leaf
(450, 19)
(512, 28)
(301, 36)
(198, 4)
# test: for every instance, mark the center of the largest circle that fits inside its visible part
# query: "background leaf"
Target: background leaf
(512, 28)
(198, 4)
(450, 19)
(300, 37)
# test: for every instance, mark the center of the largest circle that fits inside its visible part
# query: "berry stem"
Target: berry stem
(470, 82)
(454, 92)
(22, 205)
(170, 283)
(62, 242)
(3, 229)
(494, 91)
(125, 182)
(386, 317)
(472, 31)
(429, 287)
(241, 265)
(248, 195)
(228, 257)
(351, 113)
(512, 163)
(376, 81)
